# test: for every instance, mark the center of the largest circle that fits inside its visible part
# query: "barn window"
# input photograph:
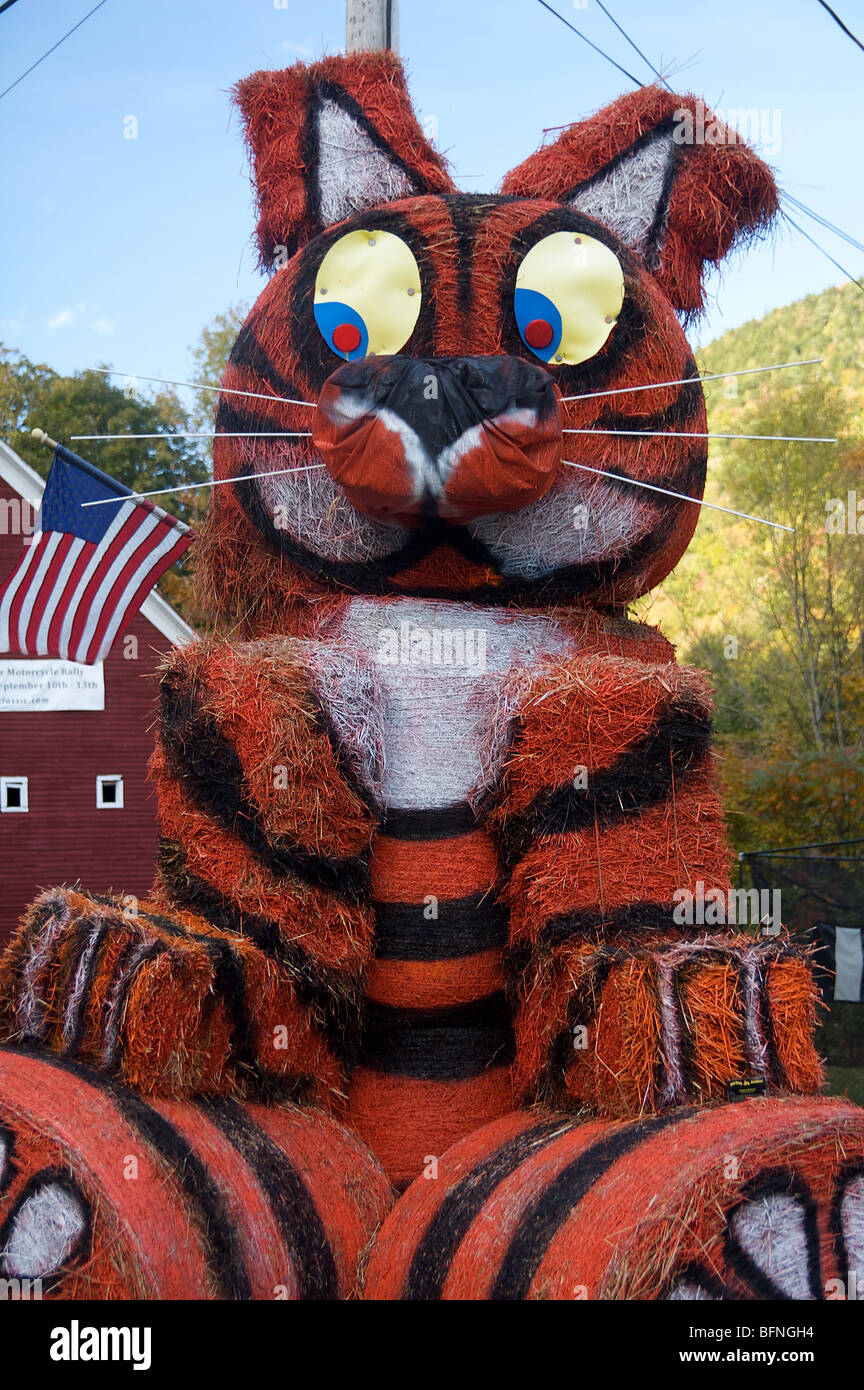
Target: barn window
(109, 793)
(13, 794)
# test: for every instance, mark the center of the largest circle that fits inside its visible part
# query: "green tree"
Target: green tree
(776, 616)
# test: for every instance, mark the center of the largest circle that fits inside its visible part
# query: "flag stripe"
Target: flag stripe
(81, 563)
(42, 587)
(155, 542)
(28, 598)
(63, 575)
(31, 597)
(132, 537)
(12, 596)
(151, 569)
(70, 635)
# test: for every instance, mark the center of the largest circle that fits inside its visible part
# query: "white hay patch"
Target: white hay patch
(44, 1232)
(352, 172)
(437, 717)
(852, 1219)
(771, 1230)
(626, 198)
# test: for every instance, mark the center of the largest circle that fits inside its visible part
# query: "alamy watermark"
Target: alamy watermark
(751, 125)
(731, 907)
(422, 646)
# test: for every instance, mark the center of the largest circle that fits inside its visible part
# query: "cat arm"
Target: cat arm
(627, 996)
(243, 972)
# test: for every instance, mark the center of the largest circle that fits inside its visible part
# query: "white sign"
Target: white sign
(40, 686)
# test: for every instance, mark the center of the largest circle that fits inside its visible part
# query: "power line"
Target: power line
(52, 48)
(585, 39)
(824, 222)
(634, 46)
(837, 20)
(6, 4)
(813, 242)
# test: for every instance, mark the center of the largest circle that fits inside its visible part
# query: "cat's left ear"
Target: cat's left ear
(662, 172)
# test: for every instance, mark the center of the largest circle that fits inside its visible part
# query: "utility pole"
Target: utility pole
(371, 25)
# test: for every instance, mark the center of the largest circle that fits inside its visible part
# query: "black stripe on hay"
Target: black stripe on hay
(463, 927)
(9, 1166)
(641, 778)
(290, 1201)
(208, 768)
(248, 355)
(687, 1051)
(465, 1200)
(82, 1247)
(775, 1061)
(547, 1213)
(332, 996)
(111, 1045)
(447, 1044)
(581, 1011)
(776, 1181)
(221, 1241)
(228, 987)
(594, 924)
(437, 823)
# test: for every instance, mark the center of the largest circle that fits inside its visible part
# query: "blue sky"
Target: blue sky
(121, 250)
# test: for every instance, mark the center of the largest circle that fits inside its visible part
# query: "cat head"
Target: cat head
(422, 362)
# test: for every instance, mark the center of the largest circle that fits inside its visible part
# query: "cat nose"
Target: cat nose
(453, 437)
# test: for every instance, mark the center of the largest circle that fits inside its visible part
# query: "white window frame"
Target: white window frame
(113, 779)
(22, 784)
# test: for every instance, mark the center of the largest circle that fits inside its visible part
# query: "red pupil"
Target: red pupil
(538, 333)
(346, 337)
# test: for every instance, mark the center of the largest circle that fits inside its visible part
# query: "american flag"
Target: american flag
(87, 570)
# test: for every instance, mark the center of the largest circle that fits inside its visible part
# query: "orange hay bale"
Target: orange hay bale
(629, 1029)
(759, 1200)
(172, 1004)
(106, 1196)
(793, 1002)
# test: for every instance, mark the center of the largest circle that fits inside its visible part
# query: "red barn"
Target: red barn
(74, 743)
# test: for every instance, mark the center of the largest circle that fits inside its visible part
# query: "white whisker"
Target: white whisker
(202, 386)
(207, 434)
(686, 434)
(686, 380)
(190, 487)
(682, 496)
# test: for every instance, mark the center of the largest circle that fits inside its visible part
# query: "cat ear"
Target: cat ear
(666, 176)
(331, 139)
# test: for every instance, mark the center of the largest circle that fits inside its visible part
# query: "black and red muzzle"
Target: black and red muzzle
(409, 438)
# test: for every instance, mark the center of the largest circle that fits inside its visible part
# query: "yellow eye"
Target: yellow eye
(569, 292)
(367, 295)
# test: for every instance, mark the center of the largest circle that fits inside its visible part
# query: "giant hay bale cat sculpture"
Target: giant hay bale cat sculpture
(427, 794)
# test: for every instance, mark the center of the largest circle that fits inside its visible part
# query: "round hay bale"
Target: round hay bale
(763, 1199)
(106, 1196)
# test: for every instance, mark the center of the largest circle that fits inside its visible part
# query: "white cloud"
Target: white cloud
(61, 319)
(103, 325)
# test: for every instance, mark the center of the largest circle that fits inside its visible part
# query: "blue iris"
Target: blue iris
(328, 318)
(529, 305)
